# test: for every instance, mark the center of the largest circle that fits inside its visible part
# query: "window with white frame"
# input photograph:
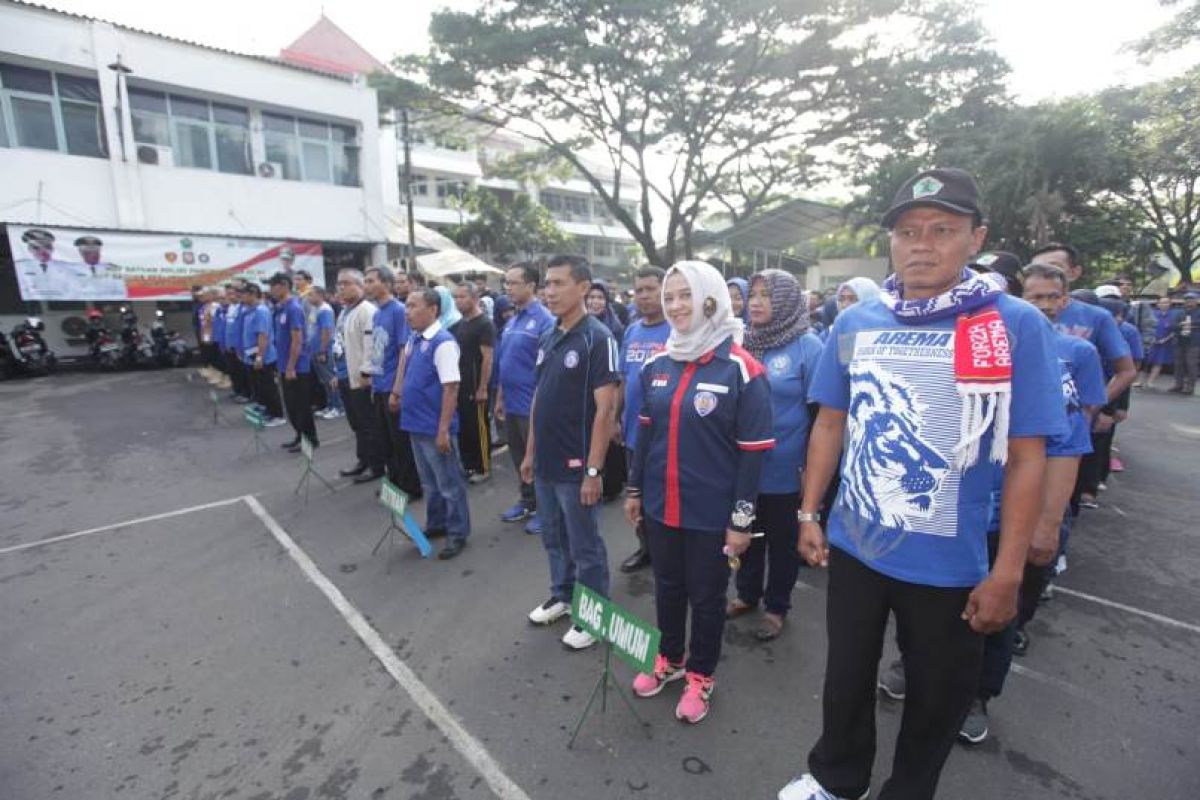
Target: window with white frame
(311, 150)
(445, 188)
(199, 133)
(45, 110)
(567, 206)
(602, 248)
(419, 184)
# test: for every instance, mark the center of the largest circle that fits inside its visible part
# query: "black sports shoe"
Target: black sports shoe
(368, 476)
(288, 445)
(1020, 642)
(353, 472)
(452, 548)
(639, 560)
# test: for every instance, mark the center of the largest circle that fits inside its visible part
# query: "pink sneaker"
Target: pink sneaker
(693, 706)
(1115, 465)
(648, 685)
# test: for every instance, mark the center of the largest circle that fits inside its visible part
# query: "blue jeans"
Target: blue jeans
(445, 487)
(325, 374)
(571, 536)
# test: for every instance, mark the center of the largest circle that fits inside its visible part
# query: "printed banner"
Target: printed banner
(67, 264)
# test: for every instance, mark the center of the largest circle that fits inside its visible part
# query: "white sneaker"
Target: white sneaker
(274, 422)
(1060, 566)
(806, 788)
(578, 639)
(550, 611)
(335, 413)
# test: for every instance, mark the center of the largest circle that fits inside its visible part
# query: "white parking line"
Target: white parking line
(1175, 623)
(103, 528)
(467, 745)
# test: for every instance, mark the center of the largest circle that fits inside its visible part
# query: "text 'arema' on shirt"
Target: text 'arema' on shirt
(705, 425)
(571, 366)
(790, 370)
(516, 359)
(641, 343)
(906, 508)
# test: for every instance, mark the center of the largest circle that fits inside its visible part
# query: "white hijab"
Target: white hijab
(708, 330)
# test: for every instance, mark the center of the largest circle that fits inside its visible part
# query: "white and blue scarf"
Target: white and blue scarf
(982, 359)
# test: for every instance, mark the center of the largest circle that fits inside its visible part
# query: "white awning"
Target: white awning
(453, 262)
(426, 238)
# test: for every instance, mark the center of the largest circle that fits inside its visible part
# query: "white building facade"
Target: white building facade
(107, 128)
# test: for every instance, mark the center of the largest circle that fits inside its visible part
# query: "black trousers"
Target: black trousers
(318, 392)
(369, 444)
(397, 449)
(690, 572)
(265, 389)
(517, 430)
(237, 375)
(1093, 467)
(208, 354)
(474, 435)
(773, 555)
(942, 658)
(297, 399)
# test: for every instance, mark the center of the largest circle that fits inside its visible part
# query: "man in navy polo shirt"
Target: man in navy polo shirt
(515, 363)
(295, 361)
(643, 339)
(571, 422)
(429, 378)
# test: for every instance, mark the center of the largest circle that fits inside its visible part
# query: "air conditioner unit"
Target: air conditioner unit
(157, 154)
(270, 169)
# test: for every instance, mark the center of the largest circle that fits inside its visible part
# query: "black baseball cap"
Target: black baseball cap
(1003, 263)
(278, 278)
(951, 189)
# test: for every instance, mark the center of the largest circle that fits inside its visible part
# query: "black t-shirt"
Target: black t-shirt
(473, 335)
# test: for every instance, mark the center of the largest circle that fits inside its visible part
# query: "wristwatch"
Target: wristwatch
(592, 472)
(808, 516)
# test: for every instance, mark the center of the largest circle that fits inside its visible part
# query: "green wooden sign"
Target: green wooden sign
(306, 448)
(392, 498)
(253, 418)
(633, 640)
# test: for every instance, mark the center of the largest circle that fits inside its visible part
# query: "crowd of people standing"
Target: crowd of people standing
(929, 441)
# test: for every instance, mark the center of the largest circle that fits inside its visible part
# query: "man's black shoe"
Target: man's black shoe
(452, 548)
(356, 470)
(433, 533)
(370, 475)
(293, 449)
(639, 560)
(1021, 643)
(293, 444)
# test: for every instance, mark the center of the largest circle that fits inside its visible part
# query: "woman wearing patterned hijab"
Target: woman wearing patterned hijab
(780, 338)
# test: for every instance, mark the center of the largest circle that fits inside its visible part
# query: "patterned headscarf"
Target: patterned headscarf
(789, 312)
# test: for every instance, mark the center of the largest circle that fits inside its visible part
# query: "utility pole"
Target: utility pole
(408, 195)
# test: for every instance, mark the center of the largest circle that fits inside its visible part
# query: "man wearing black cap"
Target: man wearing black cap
(934, 388)
(1187, 345)
(295, 361)
(42, 276)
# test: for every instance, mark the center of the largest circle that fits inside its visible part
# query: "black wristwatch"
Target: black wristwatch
(592, 472)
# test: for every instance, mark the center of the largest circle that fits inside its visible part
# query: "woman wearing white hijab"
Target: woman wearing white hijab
(705, 424)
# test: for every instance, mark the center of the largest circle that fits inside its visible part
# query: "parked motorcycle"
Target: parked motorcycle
(136, 349)
(103, 348)
(32, 355)
(8, 359)
(169, 348)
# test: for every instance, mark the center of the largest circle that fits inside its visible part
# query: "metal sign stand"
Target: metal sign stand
(308, 452)
(217, 416)
(255, 421)
(400, 520)
(601, 687)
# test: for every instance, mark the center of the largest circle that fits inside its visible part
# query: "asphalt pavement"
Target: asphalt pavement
(211, 634)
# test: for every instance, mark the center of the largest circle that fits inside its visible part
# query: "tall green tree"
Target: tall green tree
(1180, 31)
(507, 229)
(699, 103)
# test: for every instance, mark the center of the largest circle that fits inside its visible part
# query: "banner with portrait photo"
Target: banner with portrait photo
(54, 263)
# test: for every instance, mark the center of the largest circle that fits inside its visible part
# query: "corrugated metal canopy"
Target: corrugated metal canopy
(784, 226)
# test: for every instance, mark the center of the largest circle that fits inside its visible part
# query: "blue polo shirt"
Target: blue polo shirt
(337, 346)
(571, 366)
(234, 323)
(1083, 385)
(906, 508)
(1133, 338)
(422, 406)
(324, 322)
(1097, 326)
(257, 320)
(289, 316)
(789, 372)
(389, 332)
(516, 359)
(705, 426)
(641, 342)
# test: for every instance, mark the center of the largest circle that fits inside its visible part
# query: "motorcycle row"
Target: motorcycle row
(25, 352)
